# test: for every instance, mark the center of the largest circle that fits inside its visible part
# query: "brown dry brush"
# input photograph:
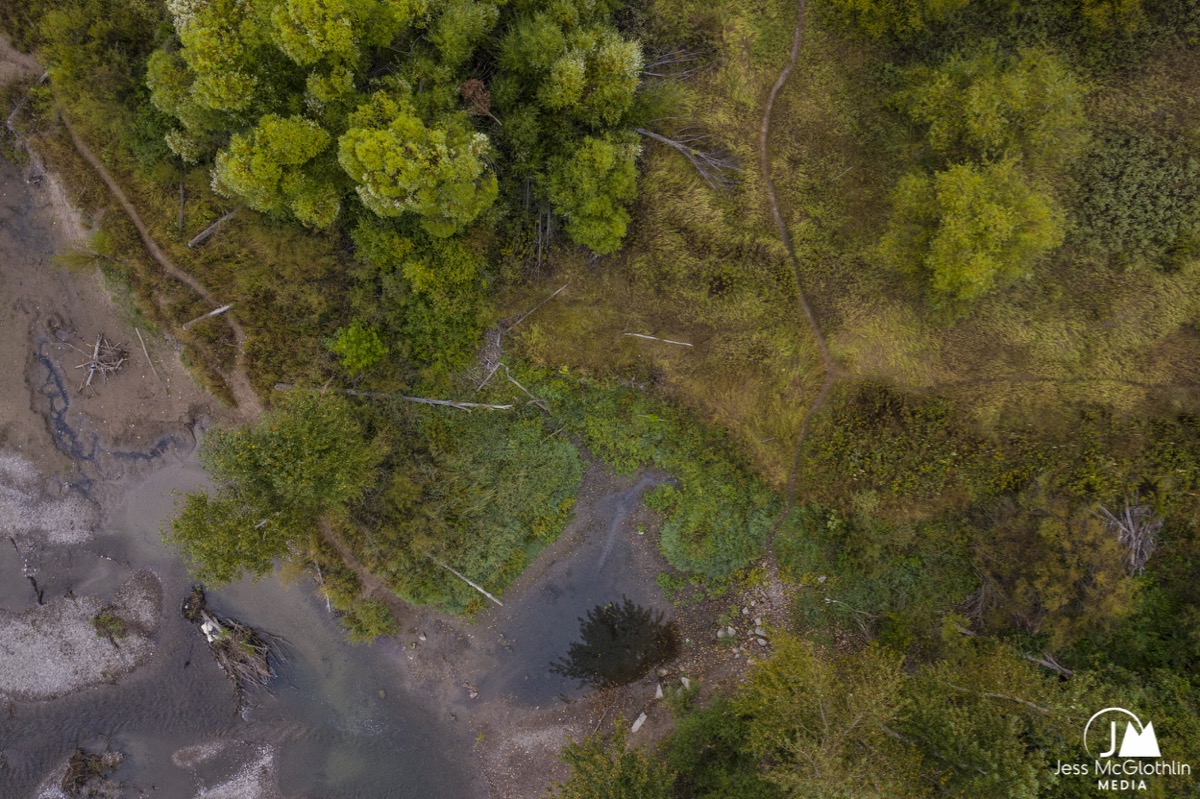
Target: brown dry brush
(247, 656)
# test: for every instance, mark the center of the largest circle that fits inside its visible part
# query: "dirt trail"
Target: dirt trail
(239, 383)
(829, 367)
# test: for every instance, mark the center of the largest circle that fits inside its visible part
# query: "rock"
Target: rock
(821, 579)
(753, 602)
(760, 632)
(422, 637)
(685, 682)
(475, 694)
(658, 691)
(721, 633)
(662, 672)
(758, 621)
(637, 725)
(762, 641)
(745, 611)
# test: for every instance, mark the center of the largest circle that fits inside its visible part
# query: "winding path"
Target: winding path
(238, 381)
(829, 367)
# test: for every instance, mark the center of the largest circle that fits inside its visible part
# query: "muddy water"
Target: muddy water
(339, 720)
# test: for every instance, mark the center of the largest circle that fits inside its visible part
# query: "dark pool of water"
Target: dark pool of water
(601, 562)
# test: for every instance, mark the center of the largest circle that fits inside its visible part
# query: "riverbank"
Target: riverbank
(89, 482)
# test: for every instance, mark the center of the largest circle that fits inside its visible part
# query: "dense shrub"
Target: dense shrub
(1140, 198)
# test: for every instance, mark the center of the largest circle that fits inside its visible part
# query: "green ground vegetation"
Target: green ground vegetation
(994, 220)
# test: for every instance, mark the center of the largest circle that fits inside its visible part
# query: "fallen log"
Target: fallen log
(202, 317)
(207, 233)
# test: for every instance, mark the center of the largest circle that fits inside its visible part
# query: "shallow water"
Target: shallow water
(339, 717)
(543, 615)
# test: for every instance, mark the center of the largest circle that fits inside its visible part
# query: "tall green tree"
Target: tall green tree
(823, 725)
(277, 168)
(400, 165)
(591, 187)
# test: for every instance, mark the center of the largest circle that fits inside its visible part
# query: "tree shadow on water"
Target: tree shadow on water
(619, 642)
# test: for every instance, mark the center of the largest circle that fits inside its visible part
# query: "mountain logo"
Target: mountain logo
(1139, 742)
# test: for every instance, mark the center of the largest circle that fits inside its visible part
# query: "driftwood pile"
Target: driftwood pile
(105, 358)
(87, 774)
(246, 655)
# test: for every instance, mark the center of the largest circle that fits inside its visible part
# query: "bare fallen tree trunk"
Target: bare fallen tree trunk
(656, 338)
(202, 317)
(465, 406)
(467, 580)
(1047, 661)
(205, 234)
(716, 166)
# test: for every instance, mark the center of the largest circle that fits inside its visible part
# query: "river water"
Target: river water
(339, 723)
(339, 720)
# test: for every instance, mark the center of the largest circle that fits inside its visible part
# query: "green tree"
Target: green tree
(359, 347)
(402, 166)
(1051, 569)
(607, 770)
(987, 106)
(970, 229)
(277, 168)
(591, 187)
(823, 725)
(274, 481)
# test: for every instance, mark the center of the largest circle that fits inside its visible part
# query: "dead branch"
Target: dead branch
(1047, 661)
(202, 317)
(525, 315)
(715, 166)
(656, 338)
(205, 234)
(105, 359)
(465, 406)
(1137, 530)
(245, 655)
(147, 354)
(467, 580)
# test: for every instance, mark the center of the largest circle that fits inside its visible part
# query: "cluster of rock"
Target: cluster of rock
(752, 632)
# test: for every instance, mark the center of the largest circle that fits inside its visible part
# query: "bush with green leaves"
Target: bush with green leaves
(359, 347)
(479, 493)
(899, 20)
(367, 620)
(716, 512)
(607, 769)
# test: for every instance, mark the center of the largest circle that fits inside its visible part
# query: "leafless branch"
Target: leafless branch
(1137, 529)
(715, 166)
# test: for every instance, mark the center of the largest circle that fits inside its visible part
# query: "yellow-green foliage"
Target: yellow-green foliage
(896, 19)
(989, 106)
(970, 229)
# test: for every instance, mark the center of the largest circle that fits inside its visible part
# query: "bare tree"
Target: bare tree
(1137, 529)
(715, 165)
